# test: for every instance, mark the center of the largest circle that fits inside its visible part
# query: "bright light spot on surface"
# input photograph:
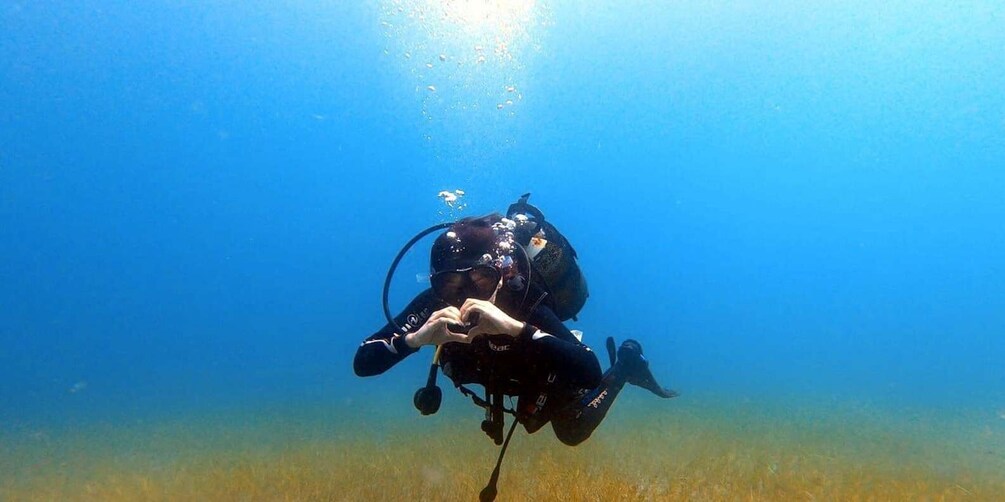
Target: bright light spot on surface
(464, 62)
(454, 34)
(500, 18)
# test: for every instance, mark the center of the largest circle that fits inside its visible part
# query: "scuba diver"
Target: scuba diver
(501, 288)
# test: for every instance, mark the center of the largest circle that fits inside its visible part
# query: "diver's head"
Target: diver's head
(472, 259)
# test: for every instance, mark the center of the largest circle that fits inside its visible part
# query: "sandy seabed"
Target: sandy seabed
(686, 450)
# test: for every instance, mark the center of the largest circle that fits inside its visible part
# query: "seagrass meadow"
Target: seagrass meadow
(692, 450)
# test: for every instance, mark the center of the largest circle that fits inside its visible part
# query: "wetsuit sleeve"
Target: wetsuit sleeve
(548, 337)
(387, 346)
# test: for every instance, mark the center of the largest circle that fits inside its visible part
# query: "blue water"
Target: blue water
(198, 202)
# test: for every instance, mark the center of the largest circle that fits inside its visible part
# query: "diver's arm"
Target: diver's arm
(386, 347)
(552, 341)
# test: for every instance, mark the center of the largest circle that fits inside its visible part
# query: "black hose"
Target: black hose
(394, 266)
(488, 494)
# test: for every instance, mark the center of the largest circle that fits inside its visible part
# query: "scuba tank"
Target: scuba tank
(553, 259)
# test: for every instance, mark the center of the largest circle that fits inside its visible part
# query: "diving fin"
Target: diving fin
(649, 383)
(636, 367)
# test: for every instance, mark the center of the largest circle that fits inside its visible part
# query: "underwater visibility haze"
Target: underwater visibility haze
(797, 208)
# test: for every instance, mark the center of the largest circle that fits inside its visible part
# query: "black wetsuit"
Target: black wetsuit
(555, 376)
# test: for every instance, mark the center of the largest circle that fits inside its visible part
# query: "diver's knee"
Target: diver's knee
(574, 440)
(570, 436)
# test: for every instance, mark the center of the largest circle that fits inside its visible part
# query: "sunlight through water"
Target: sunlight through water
(465, 61)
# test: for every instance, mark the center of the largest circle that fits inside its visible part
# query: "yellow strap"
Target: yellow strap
(436, 355)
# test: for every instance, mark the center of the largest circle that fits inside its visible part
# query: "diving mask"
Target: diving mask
(456, 286)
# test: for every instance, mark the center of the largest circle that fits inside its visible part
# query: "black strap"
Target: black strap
(479, 402)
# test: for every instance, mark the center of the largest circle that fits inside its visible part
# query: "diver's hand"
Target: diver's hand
(435, 332)
(491, 321)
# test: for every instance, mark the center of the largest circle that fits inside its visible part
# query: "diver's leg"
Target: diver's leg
(575, 424)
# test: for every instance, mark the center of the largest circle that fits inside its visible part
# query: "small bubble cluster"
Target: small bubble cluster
(454, 202)
(505, 242)
(452, 199)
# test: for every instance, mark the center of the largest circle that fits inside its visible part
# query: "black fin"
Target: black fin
(611, 350)
(637, 368)
(646, 381)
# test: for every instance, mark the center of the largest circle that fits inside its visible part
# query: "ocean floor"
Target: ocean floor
(685, 449)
